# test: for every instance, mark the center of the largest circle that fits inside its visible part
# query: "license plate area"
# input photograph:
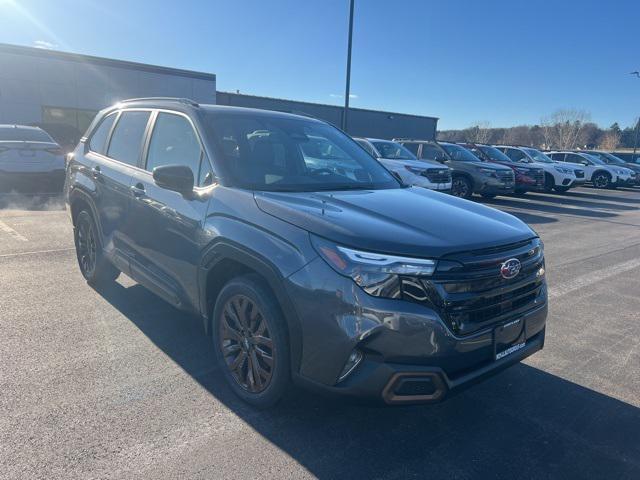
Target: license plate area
(508, 338)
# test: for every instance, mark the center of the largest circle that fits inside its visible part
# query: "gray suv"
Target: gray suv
(469, 173)
(304, 258)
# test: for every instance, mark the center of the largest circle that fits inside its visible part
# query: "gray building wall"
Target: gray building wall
(34, 82)
(361, 122)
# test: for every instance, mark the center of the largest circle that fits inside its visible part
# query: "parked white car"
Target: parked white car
(421, 173)
(557, 176)
(596, 171)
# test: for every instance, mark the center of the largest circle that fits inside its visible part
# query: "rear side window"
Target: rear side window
(174, 142)
(126, 140)
(99, 138)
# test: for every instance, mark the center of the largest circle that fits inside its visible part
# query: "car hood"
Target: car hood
(408, 221)
(491, 165)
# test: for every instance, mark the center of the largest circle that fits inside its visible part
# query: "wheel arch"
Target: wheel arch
(226, 260)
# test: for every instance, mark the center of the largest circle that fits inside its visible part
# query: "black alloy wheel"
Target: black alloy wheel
(86, 249)
(461, 187)
(601, 180)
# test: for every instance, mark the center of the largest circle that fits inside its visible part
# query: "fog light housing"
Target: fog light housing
(352, 362)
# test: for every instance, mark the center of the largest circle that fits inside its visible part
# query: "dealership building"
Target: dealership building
(61, 92)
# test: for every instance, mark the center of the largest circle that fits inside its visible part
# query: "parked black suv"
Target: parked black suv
(305, 258)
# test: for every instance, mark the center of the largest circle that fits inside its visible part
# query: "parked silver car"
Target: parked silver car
(30, 161)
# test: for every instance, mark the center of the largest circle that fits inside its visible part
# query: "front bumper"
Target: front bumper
(400, 341)
(494, 186)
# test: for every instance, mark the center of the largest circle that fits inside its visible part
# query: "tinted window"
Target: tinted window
(573, 158)
(514, 154)
(126, 140)
(412, 147)
(393, 151)
(274, 153)
(99, 138)
(459, 154)
(432, 152)
(175, 142)
(17, 134)
(366, 146)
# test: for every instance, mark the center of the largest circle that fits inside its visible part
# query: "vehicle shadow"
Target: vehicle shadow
(592, 194)
(524, 423)
(585, 202)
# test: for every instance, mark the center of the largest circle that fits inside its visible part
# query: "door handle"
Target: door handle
(138, 190)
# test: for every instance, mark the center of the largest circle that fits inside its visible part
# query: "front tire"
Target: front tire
(561, 189)
(461, 187)
(601, 180)
(95, 268)
(250, 341)
(549, 183)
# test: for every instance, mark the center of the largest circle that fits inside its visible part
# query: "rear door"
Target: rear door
(166, 232)
(114, 154)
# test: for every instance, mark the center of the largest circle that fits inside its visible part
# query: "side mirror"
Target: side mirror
(178, 178)
(584, 162)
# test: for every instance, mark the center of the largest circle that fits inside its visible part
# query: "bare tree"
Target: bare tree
(480, 132)
(610, 140)
(562, 129)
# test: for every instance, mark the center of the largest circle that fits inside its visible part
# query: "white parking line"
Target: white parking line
(36, 252)
(593, 277)
(8, 230)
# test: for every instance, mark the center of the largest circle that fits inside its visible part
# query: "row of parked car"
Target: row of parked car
(32, 162)
(490, 170)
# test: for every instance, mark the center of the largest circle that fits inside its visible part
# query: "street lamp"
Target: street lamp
(346, 94)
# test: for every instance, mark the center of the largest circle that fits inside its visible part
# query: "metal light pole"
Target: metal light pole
(345, 113)
(635, 139)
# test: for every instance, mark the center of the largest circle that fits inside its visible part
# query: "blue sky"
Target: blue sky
(505, 62)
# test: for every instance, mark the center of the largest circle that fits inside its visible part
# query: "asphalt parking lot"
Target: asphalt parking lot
(117, 384)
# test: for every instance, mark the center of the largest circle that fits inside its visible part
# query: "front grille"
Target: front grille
(579, 173)
(538, 176)
(505, 176)
(469, 292)
(437, 175)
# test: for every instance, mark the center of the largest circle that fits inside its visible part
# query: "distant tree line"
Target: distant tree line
(564, 129)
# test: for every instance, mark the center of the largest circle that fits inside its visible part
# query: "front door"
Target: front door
(166, 236)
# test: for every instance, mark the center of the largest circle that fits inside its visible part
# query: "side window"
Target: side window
(126, 140)
(431, 152)
(412, 147)
(175, 142)
(515, 155)
(98, 140)
(367, 147)
(573, 158)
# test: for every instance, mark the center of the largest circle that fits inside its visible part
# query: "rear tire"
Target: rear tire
(251, 342)
(95, 268)
(461, 187)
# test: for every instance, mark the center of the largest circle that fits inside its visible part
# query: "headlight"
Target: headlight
(377, 273)
(621, 172)
(562, 169)
(415, 170)
(522, 170)
(487, 171)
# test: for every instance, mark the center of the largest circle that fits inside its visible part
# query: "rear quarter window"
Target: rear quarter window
(98, 140)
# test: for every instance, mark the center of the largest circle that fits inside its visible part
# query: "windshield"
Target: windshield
(268, 153)
(594, 159)
(494, 154)
(608, 158)
(393, 151)
(537, 155)
(17, 134)
(460, 154)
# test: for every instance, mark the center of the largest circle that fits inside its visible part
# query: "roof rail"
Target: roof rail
(186, 101)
